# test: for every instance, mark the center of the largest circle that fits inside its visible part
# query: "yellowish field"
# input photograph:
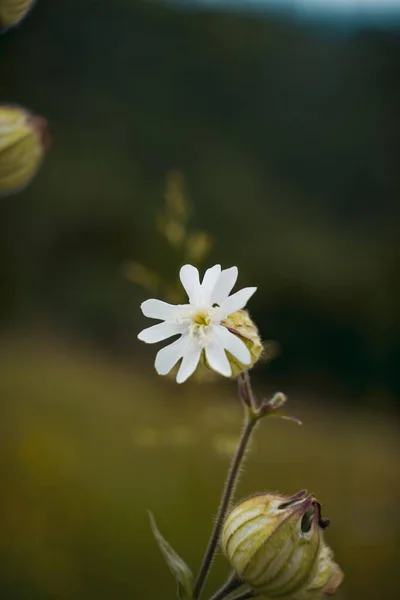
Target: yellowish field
(87, 445)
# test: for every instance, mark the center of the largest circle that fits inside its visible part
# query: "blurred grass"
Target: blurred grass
(87, 445)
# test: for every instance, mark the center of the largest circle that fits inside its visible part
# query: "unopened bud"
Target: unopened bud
(23, 142)
(13, 11)
(327, 577)
(276, 402)
(240, 324)
(274, 543)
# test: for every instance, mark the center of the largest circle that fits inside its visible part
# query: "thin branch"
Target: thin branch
(227, 493)
(229, 586)
(245, 595)
(248, 389)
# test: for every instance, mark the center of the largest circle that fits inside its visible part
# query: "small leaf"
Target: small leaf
(179, 569)
(279, 415)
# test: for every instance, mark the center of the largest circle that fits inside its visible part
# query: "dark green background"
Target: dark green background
(287, 139)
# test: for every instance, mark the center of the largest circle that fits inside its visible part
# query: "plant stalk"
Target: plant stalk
(250, 421)
(244, 595)
(229, 586)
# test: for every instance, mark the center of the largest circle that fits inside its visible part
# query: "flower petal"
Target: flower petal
(160, 332)
(189, 277)
(224, 285)
(189, 362)
(167, 357)
(210, 279)
(157, 309)
(218, 360)
(232, 343)
(235, 302)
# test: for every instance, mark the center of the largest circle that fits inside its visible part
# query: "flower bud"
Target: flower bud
(240, 324)
(23, 142)
(326, 579)
(273, 542)
(13, 11)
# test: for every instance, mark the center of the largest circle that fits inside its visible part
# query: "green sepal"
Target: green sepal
(179, 569)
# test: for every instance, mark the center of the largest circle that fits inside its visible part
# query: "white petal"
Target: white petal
(210, 279)
(160, 332)
(167, 357)
(224, 285)
(156, 309)
(236, 302)
(218, 360)
(189, 277)
(232, 343)
(189, 362)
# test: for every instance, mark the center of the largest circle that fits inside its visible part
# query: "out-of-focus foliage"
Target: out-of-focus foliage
(287, 139)
(87, 446)
(288, 142)
(190, 246)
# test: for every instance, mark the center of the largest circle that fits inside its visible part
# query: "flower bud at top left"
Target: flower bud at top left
(24, 139)
(13, 11)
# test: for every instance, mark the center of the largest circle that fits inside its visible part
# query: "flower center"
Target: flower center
(200, 329)
(201, 318)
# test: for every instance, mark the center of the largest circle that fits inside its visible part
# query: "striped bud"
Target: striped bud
(274, 543)
(326, 579)
(23, 142)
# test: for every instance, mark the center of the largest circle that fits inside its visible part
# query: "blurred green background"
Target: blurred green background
(224, 138)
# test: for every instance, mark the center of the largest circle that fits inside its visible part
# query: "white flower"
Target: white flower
(199, 323)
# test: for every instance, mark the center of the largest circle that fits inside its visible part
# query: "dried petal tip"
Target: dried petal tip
(275, 544)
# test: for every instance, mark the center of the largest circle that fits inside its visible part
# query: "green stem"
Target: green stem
(247, 393)
(229, 488)
(229, 586)
(244, 596)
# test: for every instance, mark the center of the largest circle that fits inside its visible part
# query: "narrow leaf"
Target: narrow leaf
(279, 415)
(179, 569)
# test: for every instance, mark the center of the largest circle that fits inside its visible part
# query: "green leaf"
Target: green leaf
(179, 569)
(280, 415)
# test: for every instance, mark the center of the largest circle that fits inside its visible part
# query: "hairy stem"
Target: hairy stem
(229, 586)
(229, 488)
(244, 595)
(247, 391)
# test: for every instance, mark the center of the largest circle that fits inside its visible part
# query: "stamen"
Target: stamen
(201, 319)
